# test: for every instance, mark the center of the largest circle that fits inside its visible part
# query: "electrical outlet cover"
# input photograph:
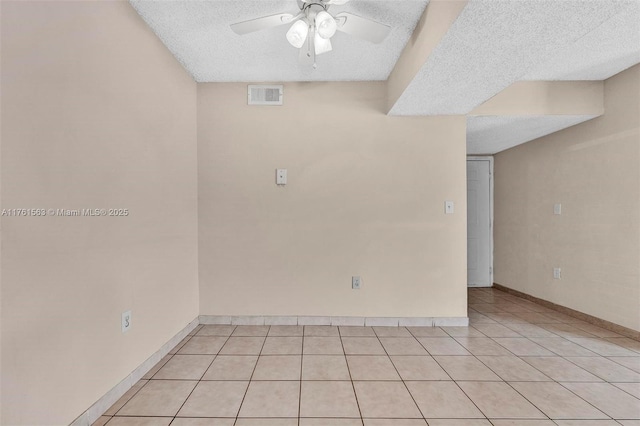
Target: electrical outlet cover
(449, 207)
(126, 321)
(281, 176)
(356, 283)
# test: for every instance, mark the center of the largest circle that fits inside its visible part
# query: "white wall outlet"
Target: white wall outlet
(557, 208)
(557, 273)
(126, 321)
(281, 176)
(448, 207)
(356, 283)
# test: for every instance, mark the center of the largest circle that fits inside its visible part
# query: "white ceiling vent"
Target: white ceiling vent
(265, 95)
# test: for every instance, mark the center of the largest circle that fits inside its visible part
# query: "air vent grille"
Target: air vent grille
(265, 95)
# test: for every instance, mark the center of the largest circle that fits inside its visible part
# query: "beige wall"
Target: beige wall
(434, 23)
(546, 98)
(593, 170)
(95, 113)
(365, 197)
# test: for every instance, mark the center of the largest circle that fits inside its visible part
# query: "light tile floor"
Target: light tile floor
(518, 363)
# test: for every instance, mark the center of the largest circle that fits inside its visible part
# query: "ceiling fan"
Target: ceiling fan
(314, 26)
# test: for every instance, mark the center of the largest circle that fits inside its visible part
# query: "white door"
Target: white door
(479, 223)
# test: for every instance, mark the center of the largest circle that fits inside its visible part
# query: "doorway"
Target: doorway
(479, 221)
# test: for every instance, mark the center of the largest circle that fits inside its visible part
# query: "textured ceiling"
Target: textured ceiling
(605, 51)
(494, 43)
(198, 34)
(491, 45)
(492, 134)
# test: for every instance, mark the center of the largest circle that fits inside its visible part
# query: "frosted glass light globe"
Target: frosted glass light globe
(326, 26)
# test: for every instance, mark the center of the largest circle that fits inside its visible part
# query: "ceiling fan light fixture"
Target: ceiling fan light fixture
(297, 34)
(321, 45)
(326, 26)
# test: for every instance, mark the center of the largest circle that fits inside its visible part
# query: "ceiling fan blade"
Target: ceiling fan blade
(258, 24)
(363, 28)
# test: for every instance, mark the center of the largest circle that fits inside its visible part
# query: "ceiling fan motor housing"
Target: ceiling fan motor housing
(311, 9)
(302, 4)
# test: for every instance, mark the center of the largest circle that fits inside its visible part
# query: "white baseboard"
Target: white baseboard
(320, 320)
(451, 322)
(280, 320)
(102, 405)
(348, 321)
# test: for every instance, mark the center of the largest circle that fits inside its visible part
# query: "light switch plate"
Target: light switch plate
(557, 208)
(448, 207)
(281, 176)
(557, 273)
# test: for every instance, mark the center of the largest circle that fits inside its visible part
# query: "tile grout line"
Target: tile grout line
(520, 358)
(389, 380)
(503, 381)
(567, 358)
(538, 408)
(252, 373)
(619, 383)
(353, 386)
(300, 387)
(170, 355)
(188, 337)
(398, 373)
(554, 381)
(203, 373)
(456, 383)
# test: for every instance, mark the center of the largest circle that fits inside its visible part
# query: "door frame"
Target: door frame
(490, 159)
